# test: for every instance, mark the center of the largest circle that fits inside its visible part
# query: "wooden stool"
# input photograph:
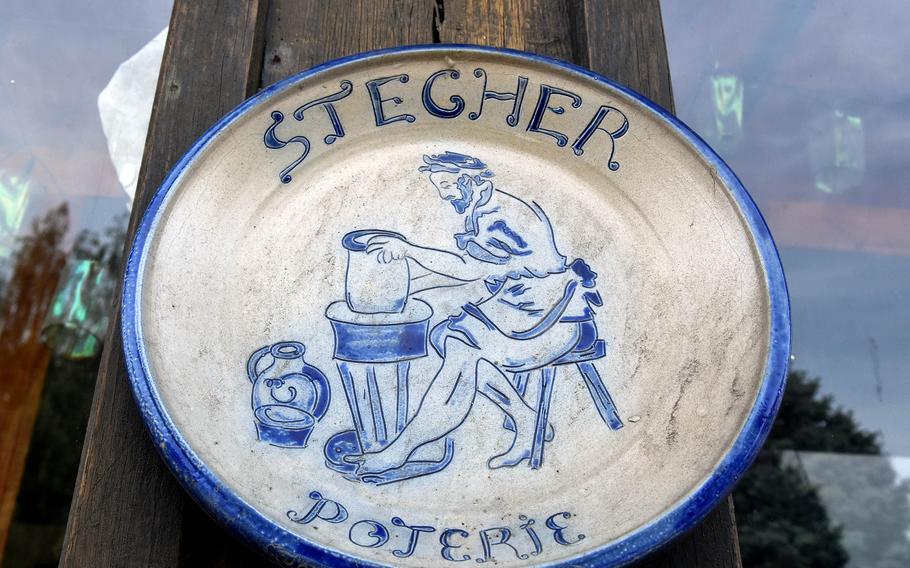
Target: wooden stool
(599, 394)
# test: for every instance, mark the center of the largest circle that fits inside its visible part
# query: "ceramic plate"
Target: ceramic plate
(444, 304)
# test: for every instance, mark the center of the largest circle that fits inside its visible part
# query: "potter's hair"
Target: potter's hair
(453, 163)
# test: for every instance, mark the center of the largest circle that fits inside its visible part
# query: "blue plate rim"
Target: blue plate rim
(256, 530)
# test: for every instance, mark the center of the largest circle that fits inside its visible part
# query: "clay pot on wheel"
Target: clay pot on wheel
(373, 287)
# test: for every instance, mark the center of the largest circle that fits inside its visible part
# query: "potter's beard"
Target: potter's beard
(466, 187)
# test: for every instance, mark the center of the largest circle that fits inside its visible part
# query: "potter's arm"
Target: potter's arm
(448, 264)
(442, 262)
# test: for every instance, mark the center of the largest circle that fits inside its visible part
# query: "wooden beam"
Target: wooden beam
(712, 544)
(624, 41)
(127, 507)
(538, 26)
(303, 34)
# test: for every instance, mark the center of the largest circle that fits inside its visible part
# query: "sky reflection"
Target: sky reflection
(846, 253)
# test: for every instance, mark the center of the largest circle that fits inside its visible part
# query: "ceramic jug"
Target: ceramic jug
(373, 287)
(289, 396)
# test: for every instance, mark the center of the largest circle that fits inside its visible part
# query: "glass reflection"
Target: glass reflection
(728, 108)
(822, 129)
(77, 319)
(14, 198)
(837, 150)
(62, 225)
(865, 496)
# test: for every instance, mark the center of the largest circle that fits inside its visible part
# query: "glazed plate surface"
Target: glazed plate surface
(448, 304)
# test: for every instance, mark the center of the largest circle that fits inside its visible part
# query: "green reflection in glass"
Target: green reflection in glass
(728, 107)
(14, 198)
(837, 150)
(78, 316)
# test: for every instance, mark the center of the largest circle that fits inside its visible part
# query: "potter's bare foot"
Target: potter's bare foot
(521, 447)
(548, 437)
(371, 464)
(514, 456)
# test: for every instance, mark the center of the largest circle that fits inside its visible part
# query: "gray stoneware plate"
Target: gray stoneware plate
(443, 304)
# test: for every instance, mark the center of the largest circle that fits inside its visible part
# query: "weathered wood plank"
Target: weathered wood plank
(300, 35)
(127, 507)
(303, 34)
(625, 41)
(539, 26)
(712, 544)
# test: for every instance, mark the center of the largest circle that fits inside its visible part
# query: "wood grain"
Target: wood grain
(127, 507)
(711, 544)
(303, 34)
(624, 41)
(539, 26)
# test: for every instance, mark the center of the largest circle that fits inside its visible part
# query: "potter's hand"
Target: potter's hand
(388, 249)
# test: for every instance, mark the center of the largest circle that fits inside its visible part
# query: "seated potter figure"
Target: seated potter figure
(534, 311)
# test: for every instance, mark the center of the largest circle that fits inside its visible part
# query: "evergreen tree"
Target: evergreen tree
(782, 516)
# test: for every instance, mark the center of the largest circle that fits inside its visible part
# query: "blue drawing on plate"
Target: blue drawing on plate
(289, 396)
(535, 314)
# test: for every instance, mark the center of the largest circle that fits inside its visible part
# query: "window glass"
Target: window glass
(63, 215)
(807, 101)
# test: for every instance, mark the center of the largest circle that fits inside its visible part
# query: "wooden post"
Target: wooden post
(127, 508)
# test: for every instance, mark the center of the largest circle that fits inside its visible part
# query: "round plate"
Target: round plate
(440, 304)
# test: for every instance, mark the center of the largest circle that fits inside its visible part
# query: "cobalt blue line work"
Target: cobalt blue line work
(385, 94)
(535, 315)
(289, 396)
(496, 543)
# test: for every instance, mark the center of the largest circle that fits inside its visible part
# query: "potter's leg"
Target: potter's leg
(494, 385)
(521, 355)
(444, 407)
